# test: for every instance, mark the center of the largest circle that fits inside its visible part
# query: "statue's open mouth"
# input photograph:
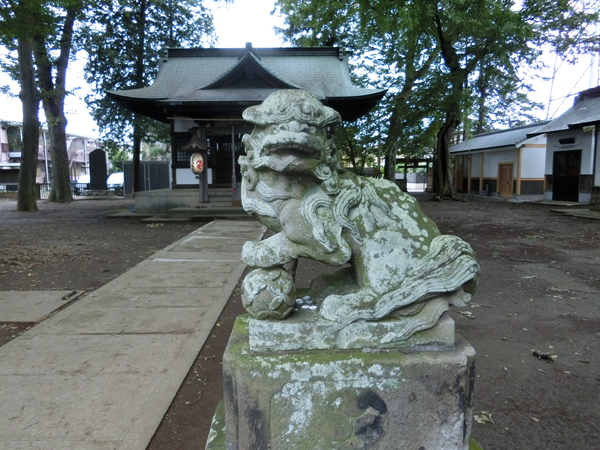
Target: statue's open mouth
(302, 145)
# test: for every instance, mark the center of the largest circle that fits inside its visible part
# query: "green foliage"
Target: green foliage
(444, 62)
(125, 40)
(157, 152)
(117, 153)
(391, 49)
(42, 30)
(44, 23)
(14, 139)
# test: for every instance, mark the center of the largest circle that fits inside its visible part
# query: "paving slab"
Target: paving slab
(30, 306)
(158, 265)
(585, 213)
(122, 296)
(96, 354)
(101, 373)
(62, 445)
(97, 320)
(218, 256)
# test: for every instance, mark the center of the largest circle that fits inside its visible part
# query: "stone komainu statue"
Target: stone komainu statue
(294, 184)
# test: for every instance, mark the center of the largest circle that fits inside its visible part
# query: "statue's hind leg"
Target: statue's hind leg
(342, 308)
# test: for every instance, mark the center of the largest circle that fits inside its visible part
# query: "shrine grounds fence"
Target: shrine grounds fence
(9, 190)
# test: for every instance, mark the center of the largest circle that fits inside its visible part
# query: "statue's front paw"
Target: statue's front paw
(249, 254)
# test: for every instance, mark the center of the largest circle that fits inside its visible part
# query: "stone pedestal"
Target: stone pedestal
(324, 399)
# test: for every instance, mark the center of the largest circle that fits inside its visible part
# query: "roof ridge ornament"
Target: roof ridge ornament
(250, 49)
(251, 66)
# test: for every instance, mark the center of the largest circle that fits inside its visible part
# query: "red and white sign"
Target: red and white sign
(197, 163)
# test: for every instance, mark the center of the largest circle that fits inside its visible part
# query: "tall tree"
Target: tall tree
(15, 32)
(434, 51)
(52, 53)
(388, 41)
(125, 40)
(48, 28)
(27, 193)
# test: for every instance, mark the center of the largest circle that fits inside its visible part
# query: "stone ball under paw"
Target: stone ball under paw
(268, 293)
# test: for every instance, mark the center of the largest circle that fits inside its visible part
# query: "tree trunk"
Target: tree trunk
(60, 190)
(137, 146)
(442, 164)
(395, 128)
(27, 193)
(54, 101)
(389, 168)
(138, 133)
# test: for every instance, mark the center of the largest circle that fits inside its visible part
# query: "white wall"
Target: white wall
(3, 140)
(532, 162)
(475, 165)
(583, 142)
(186, 176)
(493, 158)
(182, 126)
(597, 151)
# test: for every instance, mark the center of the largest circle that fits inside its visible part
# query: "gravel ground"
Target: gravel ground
(540, 291)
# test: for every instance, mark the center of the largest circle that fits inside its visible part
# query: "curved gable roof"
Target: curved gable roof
(205, 78)
(249, 70)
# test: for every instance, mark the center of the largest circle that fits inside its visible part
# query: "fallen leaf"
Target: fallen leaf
(484, 417)
(555, 289)
(545, 356)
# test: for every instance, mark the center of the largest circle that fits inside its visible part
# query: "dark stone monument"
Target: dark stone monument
(98, 172)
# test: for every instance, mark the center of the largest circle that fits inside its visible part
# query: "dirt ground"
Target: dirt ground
(539, 291)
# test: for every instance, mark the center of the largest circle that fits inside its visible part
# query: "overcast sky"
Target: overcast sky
(244, 21)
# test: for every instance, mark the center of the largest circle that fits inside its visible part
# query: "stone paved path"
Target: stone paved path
(101, 373)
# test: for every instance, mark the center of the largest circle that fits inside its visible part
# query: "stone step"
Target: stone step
(226, 192)
(212, 212)
(229, 210)
(222, 217)
(220, 197)
(219, 203)
(165, 219)
(127, 214)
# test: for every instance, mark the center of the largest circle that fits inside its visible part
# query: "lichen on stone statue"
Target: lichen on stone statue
(293, 182)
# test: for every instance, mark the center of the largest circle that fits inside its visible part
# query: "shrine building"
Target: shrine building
(202, 92)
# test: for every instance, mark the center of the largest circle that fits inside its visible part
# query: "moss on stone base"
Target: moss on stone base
(345, 399)
(474, 445)
(216, 436)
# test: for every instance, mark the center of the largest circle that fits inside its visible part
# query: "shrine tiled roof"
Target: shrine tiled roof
(208, 76)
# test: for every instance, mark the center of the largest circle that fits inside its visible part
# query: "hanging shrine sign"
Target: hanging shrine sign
(197, 163)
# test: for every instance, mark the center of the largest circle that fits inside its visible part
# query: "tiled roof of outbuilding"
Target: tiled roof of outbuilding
(583, 112)
(497, 139)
